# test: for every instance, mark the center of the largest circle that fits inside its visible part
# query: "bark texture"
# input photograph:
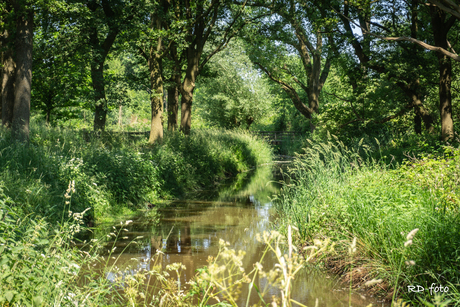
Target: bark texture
(420, 112)
(8, 78)
(100, 112)
(173, 107)
(23, 78)
(186, 105)
(156, 79)
(188, 85)
(100, 50)
(441, 26)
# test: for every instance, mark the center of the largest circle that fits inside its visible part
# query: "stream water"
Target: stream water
(188, 232)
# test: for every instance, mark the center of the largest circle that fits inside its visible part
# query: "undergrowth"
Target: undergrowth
(41, 266)
(336, 193)
(114, 173)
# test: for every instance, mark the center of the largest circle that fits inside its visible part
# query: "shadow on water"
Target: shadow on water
(188, 232)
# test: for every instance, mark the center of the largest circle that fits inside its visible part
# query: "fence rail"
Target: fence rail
(273, 137)
(277, 137)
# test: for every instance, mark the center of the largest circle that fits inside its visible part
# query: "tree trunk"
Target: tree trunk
(48, 117)
(412, 90)
(426, 117)
(156, 79)
(186, 105)
(420, 113)
(23, 80)
(100, 50)
(441, 27)
(417, 123)
(188, 86)
(173, 107)
(249, 121)
(445, 100)
(8, 78)
(100, 114)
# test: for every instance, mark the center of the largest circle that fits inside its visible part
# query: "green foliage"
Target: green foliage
(234, 95)
(335, 193)
(121, 170)
(113, 171)
(61, 78)
(206, 157)
(38, 265)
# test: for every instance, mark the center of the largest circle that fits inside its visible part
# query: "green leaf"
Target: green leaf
(9, 295)
(38, 301)
(258, 293)
(43, 241)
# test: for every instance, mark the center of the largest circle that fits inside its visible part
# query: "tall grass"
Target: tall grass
(114, 173)
(336, 193)
(42, 267)
(39, 264)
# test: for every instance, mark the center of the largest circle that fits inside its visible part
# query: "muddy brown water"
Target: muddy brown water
(188, 232)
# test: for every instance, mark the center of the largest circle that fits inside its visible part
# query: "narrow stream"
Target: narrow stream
(188, 232)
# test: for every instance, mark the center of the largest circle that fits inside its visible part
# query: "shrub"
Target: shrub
(112, 171)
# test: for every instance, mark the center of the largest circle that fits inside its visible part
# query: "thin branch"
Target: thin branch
(227, 37)
(143, 54)
(388, 118)
(379, 26)
(299, 105)
(347, 100)
(349, 122)
(407, 39)
(448, 7)
(303, 86)
(422, 44)
(404, 110)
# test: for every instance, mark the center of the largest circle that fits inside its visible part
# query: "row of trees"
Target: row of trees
(296, 44)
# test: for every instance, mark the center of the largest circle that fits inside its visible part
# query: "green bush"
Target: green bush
(37, 265)
(113, 171)
(130, 176)
(206, 157)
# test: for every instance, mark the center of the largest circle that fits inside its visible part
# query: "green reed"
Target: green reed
(337, 192)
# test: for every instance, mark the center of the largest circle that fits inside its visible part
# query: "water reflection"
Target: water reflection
(189, 231)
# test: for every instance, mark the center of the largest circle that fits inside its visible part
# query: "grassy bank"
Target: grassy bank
(53, 187)
(335, 193)
(115, 174)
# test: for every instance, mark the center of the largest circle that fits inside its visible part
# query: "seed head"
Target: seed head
(372, 282)
(411, 234)
(408, 243)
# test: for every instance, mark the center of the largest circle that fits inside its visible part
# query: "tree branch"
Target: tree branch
(227, 37)
(143, 54)
(422, 44)
(299, 105)
(447, 6)
(404, 38)
(404, 110)
(351, 104)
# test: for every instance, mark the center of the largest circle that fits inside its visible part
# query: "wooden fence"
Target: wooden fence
(278, 137)
(273, 137)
